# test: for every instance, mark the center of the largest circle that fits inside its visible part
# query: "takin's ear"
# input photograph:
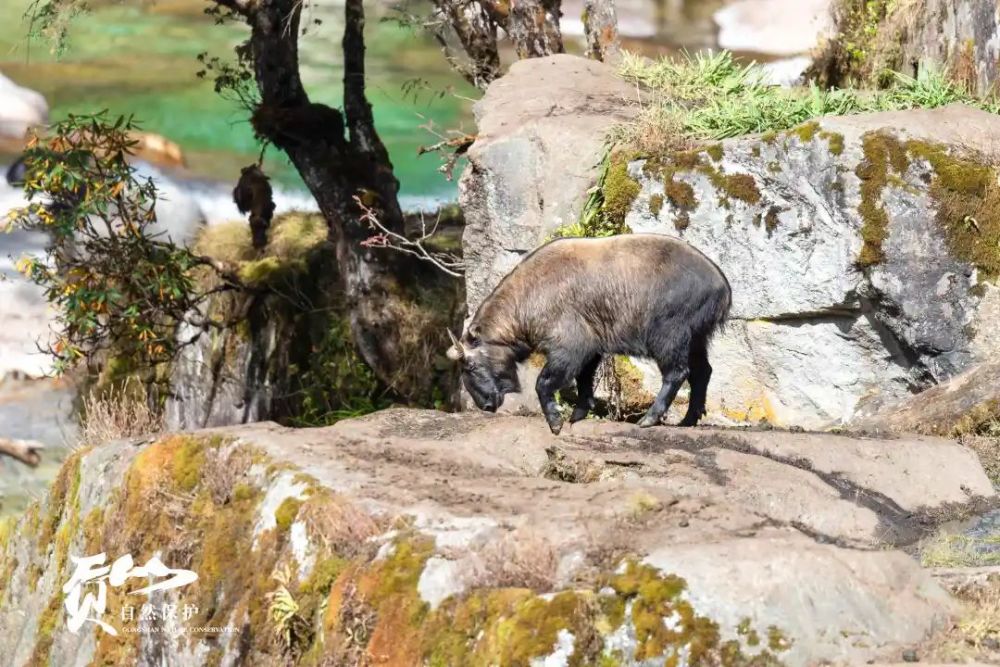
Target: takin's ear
(474, 332)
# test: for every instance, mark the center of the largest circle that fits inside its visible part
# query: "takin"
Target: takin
(577, 299)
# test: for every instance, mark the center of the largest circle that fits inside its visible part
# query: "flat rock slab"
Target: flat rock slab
(793, 530)
(958, 405)
(455, 539)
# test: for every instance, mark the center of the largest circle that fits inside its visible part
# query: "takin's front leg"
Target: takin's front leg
(554, 376)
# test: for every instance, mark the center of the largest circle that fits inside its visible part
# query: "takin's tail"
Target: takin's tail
(714, 312)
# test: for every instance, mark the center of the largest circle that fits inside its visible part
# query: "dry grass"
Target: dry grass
(522, 558)
(951, 550)
(224, 470)
(341, 526)
(118, 413)
(987, 448)
(975, 635)
(656, 130)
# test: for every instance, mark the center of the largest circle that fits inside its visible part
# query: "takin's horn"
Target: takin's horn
(456, 352)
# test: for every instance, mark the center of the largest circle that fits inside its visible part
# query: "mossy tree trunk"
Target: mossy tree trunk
(339, 156)
(600, 25)
(531, 25)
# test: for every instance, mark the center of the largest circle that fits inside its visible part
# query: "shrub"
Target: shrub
(119, 412)
(111, 280)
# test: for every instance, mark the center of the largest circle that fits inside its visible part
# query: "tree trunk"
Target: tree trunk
(600, 25)
(335, 168)
(477, 32)
(533, 27)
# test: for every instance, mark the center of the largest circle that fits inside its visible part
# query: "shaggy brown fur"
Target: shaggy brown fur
(576, 300)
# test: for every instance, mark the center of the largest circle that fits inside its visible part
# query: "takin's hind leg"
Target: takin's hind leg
(585, 390)
(701, 373)
(674, 369)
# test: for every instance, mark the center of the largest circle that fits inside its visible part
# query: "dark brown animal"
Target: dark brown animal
(576, 300)
(253, 195)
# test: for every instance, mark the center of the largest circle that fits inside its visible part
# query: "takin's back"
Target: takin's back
(615, 283)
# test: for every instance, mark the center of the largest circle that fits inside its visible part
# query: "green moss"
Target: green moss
(619, 190)
(681, 195)
(655, 597)
(285, 515)
(746, 630)
(609, 202)
(769, 220)
(64, 487)
(292, 240)
(776, 640)
(655, 204)
(739, 186)
(967, 195)
(48, 621)
(188, 460)
(882, 152)
(806, 132)
(835, 140)
(715, 152)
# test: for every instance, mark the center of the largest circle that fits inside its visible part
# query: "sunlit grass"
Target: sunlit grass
(712, 96)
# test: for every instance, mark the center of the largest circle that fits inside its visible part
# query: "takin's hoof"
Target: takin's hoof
(555, 427)
(689, 421)
(579, 414)
(648, 421)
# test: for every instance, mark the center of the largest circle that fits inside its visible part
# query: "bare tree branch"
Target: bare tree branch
(386, 238)
(25, 451)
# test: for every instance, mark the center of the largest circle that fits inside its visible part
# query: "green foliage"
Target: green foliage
(111, 280)
(711, 96)
(337, 383)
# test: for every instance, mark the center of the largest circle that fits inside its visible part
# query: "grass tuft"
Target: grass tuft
(711, 96)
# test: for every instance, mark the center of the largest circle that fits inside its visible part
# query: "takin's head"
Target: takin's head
(489, 370)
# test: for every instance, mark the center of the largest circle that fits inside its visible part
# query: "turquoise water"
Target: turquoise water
(140, 58)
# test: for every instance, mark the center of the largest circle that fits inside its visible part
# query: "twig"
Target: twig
(386, 238)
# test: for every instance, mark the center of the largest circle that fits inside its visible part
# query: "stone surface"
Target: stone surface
(541, 133)
(790, 534)
(959, 36)
(957, 405)
(816, 339)
(20, 109)
(774, 27)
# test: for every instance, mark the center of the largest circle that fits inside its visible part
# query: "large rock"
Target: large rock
(20, 109)
(959, 37)
(826, 327)
(963, 404)
(417, 537)
(541, 137)
(826, 324)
